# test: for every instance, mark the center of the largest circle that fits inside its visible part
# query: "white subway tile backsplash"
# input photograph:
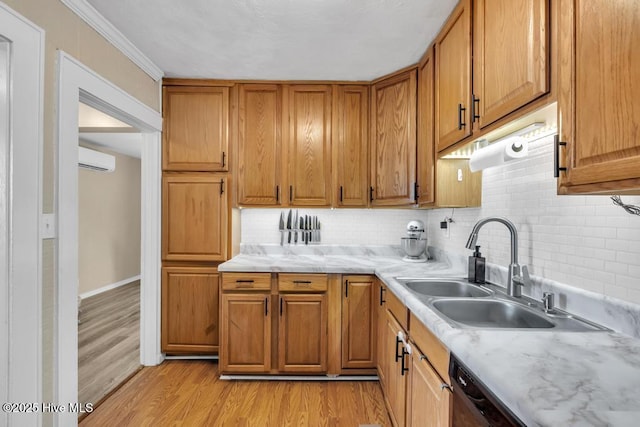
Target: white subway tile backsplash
(338, 226)
(582, 241)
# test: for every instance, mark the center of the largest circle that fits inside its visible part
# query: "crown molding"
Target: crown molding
(105, 28)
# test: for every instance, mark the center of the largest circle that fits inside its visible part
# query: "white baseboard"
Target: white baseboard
(109, 287)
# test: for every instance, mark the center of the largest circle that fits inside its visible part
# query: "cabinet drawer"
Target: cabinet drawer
(396, 307)
(302, 282)
(436, 353)
(246, 281)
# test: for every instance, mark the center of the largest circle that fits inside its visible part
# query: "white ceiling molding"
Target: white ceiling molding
(96, 21)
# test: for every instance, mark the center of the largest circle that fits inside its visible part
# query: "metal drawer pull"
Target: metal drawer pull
(445, 385)
(277, 194)
(423, 357)
(304, 283)
(382, 300)
(224, 158)
(244, 281)
(266, 306)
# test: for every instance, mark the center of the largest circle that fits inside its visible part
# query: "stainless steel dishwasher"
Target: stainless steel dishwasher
(473, 404)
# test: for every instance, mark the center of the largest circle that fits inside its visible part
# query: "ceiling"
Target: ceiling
(279, 39)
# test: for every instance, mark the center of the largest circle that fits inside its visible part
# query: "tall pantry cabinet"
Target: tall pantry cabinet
(195, 194)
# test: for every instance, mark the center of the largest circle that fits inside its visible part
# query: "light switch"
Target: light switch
(48, 226)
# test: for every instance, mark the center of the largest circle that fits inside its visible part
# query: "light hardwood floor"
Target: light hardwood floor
(108, 341)
(189, 393)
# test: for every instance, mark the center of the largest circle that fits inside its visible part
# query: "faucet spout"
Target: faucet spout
(514, 282)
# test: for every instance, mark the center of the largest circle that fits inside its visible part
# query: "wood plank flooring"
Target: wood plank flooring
(189, 393)
(108, 341)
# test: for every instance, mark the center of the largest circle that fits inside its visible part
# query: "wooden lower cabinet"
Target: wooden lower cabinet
(395, 386)
(428, 397)
(302, 333)
(412, 379)
(189, 310)
(358, 322)
(246, 333)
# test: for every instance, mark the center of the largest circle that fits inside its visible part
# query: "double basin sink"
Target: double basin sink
(466, 305)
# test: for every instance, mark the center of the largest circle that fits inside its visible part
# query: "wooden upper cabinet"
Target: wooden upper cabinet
(309, 145)
(259, 145)
(511, 51)
(194, 217)
(190, 310)
(598, 108)
(350, 146)
(196, 128)
(393, 140)
(453, 78)
(425, 152)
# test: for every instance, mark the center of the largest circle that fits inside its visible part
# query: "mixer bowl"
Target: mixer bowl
(412, 246)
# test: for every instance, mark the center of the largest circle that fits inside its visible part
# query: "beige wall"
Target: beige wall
(109, 224)
(66, 31)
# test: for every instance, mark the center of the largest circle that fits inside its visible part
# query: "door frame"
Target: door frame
(21, 202)
(76, 83)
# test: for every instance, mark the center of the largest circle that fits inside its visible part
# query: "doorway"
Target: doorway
(21, 95)
(109, 250)
(77, 83)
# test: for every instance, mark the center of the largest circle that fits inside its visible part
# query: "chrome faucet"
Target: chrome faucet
(518, 277)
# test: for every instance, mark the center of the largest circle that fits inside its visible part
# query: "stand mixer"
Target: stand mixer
(415, 242)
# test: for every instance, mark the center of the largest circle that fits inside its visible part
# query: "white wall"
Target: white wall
(338, 226)
(582, 241)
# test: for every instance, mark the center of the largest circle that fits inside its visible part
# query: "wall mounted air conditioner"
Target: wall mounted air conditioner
(95, 160)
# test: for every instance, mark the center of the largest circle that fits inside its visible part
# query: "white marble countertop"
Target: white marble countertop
(546, 378)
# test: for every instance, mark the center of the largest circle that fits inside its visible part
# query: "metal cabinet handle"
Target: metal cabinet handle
(445, 385)
(221, 186)
(280, 306)
(556, 156)
(403, 368)
(461, 111)
(224, 158)
(341, 193)
(371, 194)
(398, 355)
(415, 192)
(346, 289)
(475, 109)
(290, 193)
(266, 306)
(277, 194)
(382, 300)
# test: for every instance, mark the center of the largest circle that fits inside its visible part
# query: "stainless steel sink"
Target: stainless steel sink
(491, 313)
(498, 313)
(445, 288)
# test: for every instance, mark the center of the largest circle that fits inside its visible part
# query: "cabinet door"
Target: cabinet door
(245, 342)
(428, 398)
(358, 322)
(382, 345)
(350, 146)
(598, 108)
(309, 145)
(425, 153)
(189, 310)
(259, 145)
(302, 333)
(196, 128)
(393, 145)
(194, 217)
(453, 78)
(510, 55)
(396, 379)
